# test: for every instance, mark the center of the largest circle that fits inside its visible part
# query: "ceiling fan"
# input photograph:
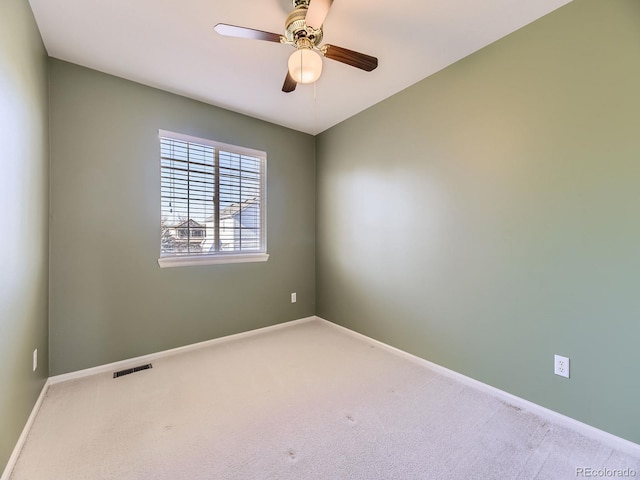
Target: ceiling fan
(303, 30)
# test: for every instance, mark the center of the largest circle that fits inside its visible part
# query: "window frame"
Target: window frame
(259, 255)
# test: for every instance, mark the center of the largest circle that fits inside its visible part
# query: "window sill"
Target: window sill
(167, 262)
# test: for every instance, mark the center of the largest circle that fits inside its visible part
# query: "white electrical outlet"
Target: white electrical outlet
(35, 359)
(293, 297)
(561, 366)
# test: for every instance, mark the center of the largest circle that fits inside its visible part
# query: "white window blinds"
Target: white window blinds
(213, 198)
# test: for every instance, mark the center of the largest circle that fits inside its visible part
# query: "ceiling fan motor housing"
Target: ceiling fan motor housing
(296, 27)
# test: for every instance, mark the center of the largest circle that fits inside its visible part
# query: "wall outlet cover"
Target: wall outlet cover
(561, 366)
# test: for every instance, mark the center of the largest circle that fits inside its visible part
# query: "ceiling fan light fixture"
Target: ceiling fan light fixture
(305, 65)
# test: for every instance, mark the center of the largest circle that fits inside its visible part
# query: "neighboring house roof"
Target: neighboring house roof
(189, 223)
(235, 208)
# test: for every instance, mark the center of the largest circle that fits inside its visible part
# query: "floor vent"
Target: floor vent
(128, 371)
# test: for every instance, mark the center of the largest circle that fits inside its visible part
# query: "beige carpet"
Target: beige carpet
(307, 401)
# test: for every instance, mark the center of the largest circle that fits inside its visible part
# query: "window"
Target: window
(212, 202)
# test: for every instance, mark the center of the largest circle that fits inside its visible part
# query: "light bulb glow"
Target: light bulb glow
(305, 65)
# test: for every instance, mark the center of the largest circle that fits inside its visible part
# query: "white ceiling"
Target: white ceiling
(171, 44)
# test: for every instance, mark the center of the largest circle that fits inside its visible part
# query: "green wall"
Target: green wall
(24, 202)
(109, 298)
(489, 216)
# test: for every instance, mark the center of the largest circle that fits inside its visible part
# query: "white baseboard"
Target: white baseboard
(132, 362)
(8, 469)
(588, 431)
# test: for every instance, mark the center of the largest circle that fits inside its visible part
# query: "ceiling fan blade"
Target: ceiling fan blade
(317, 12)
(289, 84)
(244, 32)
(355, 59)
